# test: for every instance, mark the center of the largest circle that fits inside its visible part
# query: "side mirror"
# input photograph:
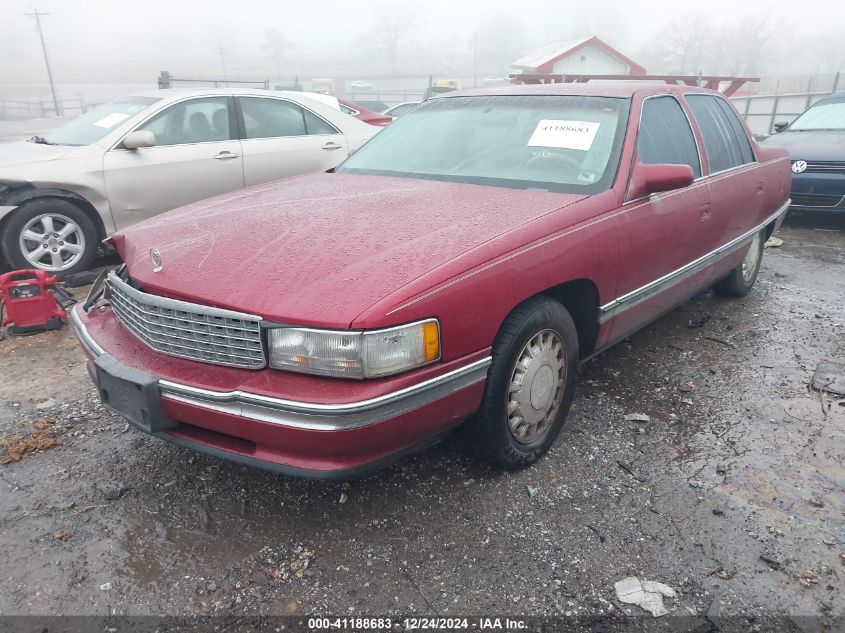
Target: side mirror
(139, 139)
(780, 126)
(649, 179)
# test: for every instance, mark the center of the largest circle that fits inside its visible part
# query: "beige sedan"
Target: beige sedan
(140, 155)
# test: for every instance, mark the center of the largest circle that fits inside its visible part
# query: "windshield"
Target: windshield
(825, 115)
(95, 124)
(556, 143)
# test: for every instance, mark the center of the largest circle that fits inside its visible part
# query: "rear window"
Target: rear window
(725, 140)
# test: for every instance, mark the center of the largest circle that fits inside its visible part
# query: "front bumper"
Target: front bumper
(310, 439)
(812, 191)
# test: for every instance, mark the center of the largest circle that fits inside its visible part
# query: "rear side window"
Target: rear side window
(316, 125)
(666, 136)
(269, 118)
(725, 141)
(741, 136)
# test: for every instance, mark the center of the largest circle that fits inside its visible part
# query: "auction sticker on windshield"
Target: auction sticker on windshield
(112, 119)
(564, 134)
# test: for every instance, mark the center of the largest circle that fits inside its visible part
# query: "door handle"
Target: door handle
(332, 146)
(225, 155)
(706, 212)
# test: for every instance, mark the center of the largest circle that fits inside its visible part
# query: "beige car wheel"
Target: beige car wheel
(49, 234)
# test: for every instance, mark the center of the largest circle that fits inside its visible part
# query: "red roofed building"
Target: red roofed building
(588, 56)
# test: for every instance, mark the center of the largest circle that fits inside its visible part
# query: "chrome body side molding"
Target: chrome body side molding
(630, 299)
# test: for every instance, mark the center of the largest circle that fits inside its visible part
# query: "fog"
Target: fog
(99, 41)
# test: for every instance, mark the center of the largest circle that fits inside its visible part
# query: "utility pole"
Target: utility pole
(37, 15)
(222, 54)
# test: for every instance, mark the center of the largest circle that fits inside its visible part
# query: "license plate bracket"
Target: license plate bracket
(132, 394)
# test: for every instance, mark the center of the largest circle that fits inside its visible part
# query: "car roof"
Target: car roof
(835, 96)
(178, 93)
(623, 89)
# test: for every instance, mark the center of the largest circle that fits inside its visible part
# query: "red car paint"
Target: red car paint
(367, 116)
(354, 251)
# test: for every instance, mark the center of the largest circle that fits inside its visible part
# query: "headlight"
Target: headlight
(367, 354)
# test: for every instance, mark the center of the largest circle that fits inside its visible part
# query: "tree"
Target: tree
(693, 43)
(276, 47)
(498, 40)
(826, 50)
(752, 44)
(392, 29)
(683, 46)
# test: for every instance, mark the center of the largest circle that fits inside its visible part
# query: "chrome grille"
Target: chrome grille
(188, 330)
(815, 200)
(827, 167)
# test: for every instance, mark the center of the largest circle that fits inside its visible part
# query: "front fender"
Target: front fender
(15, 196)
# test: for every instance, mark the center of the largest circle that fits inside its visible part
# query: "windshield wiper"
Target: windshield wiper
(816, 129)
(40, 140)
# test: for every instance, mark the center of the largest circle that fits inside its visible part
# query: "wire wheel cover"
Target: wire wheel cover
(536, 386)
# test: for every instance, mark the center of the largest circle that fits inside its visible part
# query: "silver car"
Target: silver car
(140, 155)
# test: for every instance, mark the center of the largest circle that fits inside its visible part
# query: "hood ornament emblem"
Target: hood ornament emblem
(799, 166)
(155, 255)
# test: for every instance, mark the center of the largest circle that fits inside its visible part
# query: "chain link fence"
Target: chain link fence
(375, 93)
(775, 98)
(165, 80)
(801, 83)
(41, 108)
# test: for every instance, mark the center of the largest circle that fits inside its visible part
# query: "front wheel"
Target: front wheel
(529, 385)
(741, 279)
(49, 234)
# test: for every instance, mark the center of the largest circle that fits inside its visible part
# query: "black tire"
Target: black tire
(15, 224)
(740, 280)
(489, 431)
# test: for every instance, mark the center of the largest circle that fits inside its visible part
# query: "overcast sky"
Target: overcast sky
(112, 41)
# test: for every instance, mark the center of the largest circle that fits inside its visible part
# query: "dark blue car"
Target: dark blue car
(816, 144)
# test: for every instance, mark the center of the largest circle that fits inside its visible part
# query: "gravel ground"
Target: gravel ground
(732, 494)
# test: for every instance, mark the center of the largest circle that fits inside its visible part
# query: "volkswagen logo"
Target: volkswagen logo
(155, 255)
(799, 166)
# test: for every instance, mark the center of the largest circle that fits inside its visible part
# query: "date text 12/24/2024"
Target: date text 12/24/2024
(415, 623)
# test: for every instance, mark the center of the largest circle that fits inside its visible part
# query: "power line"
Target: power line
(37, 15)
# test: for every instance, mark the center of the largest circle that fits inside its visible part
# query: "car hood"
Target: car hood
(811, 146)
(321, 249)
(22, 152)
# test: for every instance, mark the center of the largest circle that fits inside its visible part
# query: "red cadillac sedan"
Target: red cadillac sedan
(455, 270)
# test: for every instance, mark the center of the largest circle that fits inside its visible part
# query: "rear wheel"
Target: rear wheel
(529, 385)
(741, 279)
(49, 234)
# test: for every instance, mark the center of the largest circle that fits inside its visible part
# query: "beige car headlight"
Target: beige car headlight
(361, 354)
